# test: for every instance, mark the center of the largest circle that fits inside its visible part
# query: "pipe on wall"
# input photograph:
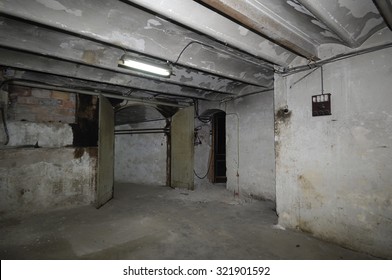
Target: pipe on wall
(88, 92)
(289, 71)
(142, 131)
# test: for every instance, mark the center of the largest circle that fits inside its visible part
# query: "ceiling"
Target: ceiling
(218, 49)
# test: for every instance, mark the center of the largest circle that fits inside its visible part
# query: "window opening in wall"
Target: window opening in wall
(219, 147)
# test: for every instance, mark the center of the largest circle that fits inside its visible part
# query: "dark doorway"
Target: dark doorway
(219, 147)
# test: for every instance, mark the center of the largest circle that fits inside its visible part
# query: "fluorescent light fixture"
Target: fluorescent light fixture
(147, 67)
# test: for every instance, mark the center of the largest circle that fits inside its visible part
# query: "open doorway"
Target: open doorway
(219, 147)
(216, 120)
(141, 139)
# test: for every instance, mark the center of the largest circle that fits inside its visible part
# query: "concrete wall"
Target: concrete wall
(333, 173)
(141, 158)
(44, 134)
(54, 175)
(38, 117)
(34, 180)
(250, 123)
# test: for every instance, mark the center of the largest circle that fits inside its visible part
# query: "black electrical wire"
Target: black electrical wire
(208, 170)
(207, 120)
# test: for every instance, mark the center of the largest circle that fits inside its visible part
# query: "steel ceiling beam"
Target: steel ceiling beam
(35, 39)
(23, 75)
(89, 92)
(119, 24)
(26, 61)
(353, 21)
(206, 21)
(256, 15)
(385, 8)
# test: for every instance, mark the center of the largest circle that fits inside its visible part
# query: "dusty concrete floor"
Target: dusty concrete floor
(146, 222)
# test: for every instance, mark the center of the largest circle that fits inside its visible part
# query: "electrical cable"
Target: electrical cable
(217, 49)
(209, 159)
(208, 170)
(196, 103)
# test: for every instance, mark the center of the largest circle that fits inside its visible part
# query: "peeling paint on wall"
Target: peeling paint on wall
(243, 31)
(358, 9)
(152, 23)
(57, 6)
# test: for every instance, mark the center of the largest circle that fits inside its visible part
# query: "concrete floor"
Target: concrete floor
(150, 222)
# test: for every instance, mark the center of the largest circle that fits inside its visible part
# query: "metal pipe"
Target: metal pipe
(255, 15)
(139, 132)
(320, 10)
(87, 92)
(253, 93)
(244, 95)
(142, 129)
(290, 71)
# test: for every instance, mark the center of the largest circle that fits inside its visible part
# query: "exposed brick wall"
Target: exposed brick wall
(39, 105)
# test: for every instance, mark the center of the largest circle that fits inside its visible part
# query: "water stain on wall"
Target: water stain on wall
(308, 199)
(282, 121)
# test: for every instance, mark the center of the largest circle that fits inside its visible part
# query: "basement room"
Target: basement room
(195, 130)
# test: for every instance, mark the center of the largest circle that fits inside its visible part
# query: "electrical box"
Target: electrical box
(321, 105)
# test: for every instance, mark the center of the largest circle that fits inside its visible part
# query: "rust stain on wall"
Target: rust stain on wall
(310, 197)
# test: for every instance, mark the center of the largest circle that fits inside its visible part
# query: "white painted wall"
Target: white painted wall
(254, 158)
(334, 173)
(30, 133)
(141, 158)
